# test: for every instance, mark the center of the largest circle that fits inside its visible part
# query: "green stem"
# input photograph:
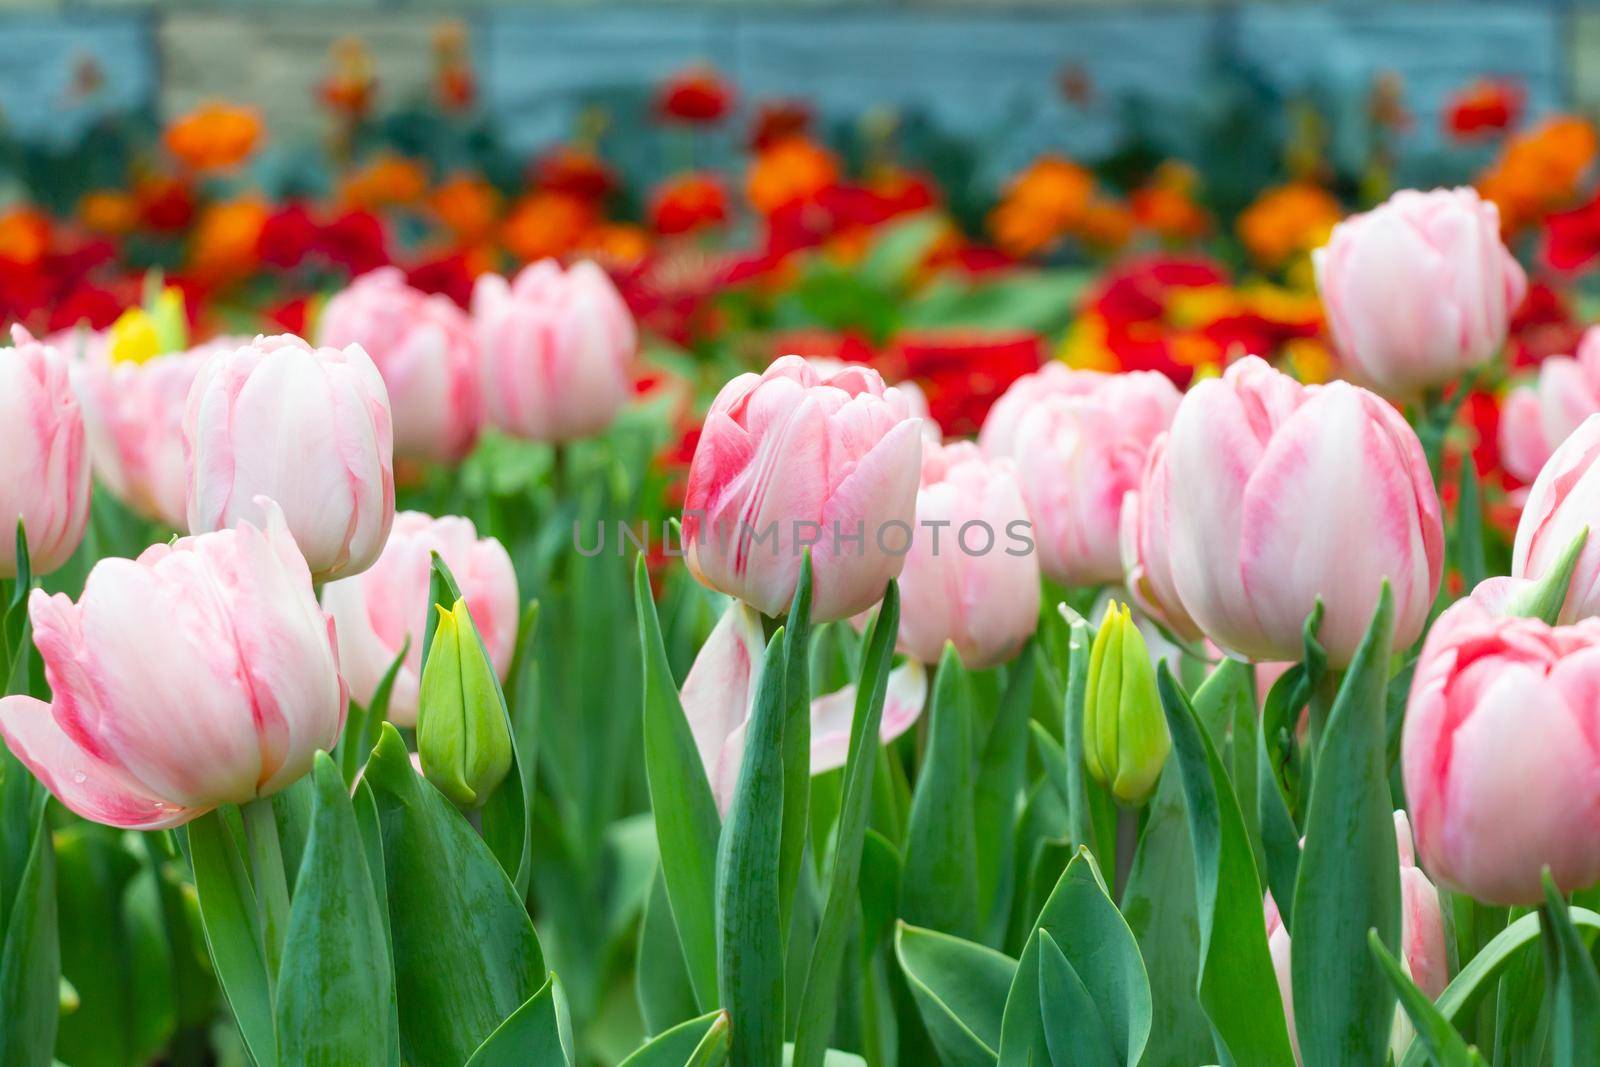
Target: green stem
(1321, 706)
(266, 872)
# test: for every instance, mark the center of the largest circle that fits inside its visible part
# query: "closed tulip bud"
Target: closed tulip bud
(1563, 500)
(306, 427)
(1280, 494)
(463, 739)
(426, 350)
(200, 674)
(1420, 289)
(1125, 739)
(557, 349)
(44, 460)
(791, 458)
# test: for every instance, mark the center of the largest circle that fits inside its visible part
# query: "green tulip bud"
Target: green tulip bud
(1125, 739)
(463, 740)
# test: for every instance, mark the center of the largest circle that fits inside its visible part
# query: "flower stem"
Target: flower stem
(266, 872)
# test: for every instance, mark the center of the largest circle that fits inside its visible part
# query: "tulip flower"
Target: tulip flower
(44, 458)
(1423, 952)
(557, 350)
(971, 577)
(425, 349)
(790, 459)
(378, 610)
(720, 691)
(463, 738)
(202, 673)
(1146, 560)
(1125, 738)
(1279, 494)
(1420, 289)
(1501, 765)
(308, 428)
(1080, 440)
(1536, 418)
(1564, 499)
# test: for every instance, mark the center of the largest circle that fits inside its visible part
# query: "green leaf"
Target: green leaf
(661, 980)
(899, 247)
(1236, 975)
(336, 978)
(687, 823)
(819, 1001)
(796, 743)
(233, 936)
(1077, 788)
(1092, 935)
(1444, 1046)
(1545, 597)
(1349, 875)
(465, 954)
(30, 962)
(678, 1046)
(536, 1033)
(361, 724)
(939, 884)
(960, 989)
(1470, 558)
(1001, 770)
(1275, 756)
(749, 935)
(1575, 1004)
(1074, 1032)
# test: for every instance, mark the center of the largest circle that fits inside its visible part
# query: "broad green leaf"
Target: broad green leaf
(1091, 933)
(1078, 789)
(336, 979)
(1275, 757)
(677, 1046)
(1470, 559)
(1575, 1006)
(749, 935)
(233, 934)
(819, 1001)
(1235, 975)
(362, 722)
(899, 246)
(661, 980)
(30, 962)
(1349, 874)
(94, 873)
(536, 1033)
(960, 988)
(1074, 1032)
(687, 823)
(796, 743)
(939, 884)
(465, 954)
(367, 821)
(1445, 1047)
(1001, 769)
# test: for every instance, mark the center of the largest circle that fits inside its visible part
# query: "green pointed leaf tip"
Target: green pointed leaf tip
(1544, 597)
(463, 739)
(1125, 736)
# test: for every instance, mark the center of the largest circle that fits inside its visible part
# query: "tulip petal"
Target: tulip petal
(851, 575)
(832, 715)
(717, 693)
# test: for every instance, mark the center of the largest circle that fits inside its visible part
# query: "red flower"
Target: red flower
(287, 237)
(1485, 107)
(777, 121)
(291, 316)
(1543, 326)
(964, 372)
(697, 96)
(355, 241)
(86, 303)
(575, 172)
(448, 275)
(166, 204)
(1572, 238)
(687, 203)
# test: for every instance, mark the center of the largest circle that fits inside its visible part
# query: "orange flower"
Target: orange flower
(108, 211)
(687, 203)
(468, 206)
(1105, 224)
(546, 224)
(1166, 207)
(387, 181)
(1041, 205)
(24, 236)
(453, 81)
(615, 244)
(1538, 171)
(214, 136)
(350, 88)
(1286, 221)
(226, 238)
(792, 171)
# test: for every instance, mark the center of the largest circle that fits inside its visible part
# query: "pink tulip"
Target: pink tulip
(1420, 289)
(134, 415)
(1423, 954)
(721, 688)
(202, 673)
(44, 459)
(789, 459)
(1146, 563)
(971, 577)
(1080, 440)
(308, 428)
(1501, 753)
(1564, 499)
(1280, 494)
(1536, 418)
(377, 610)
(557, 350)
(426, 350)
(916, 399)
